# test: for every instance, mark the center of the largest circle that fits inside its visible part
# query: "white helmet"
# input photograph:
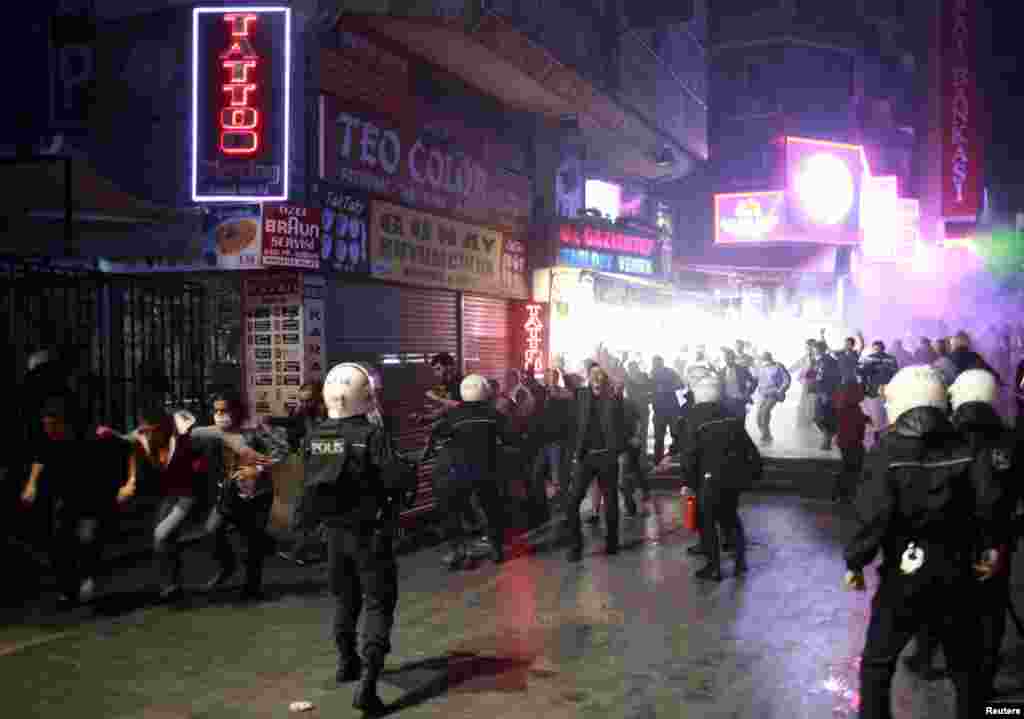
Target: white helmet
(350, 390)
(475, 388)
(974, 385)
(707, 389)
(912, 387)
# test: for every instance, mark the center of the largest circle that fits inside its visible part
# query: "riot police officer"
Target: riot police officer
(356, 483)
(471, 434)
(921, 507)
(720, 460)
(973, 396)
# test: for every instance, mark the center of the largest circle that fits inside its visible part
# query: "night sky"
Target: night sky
(1003, 89)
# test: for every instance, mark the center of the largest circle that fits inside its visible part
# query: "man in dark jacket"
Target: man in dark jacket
(348, 456)
(472, 434)
(827, 380)
(664, 402)
(973, 397)
(876, 369)
(719, 461)
(738, 386)
(924, 509)
(554, 425)
(600, 439)
(965, 358)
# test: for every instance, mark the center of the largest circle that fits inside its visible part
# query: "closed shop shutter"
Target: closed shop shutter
(486, 337)
(396, 329)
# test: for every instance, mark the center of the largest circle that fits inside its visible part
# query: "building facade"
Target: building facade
(369, 181)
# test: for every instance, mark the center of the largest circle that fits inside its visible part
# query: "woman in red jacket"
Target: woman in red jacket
(852, 423)
(161, 450)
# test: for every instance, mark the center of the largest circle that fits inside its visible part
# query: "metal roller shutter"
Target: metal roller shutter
(396, 329)
(486, 338)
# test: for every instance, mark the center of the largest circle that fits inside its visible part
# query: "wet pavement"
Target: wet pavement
(633, 636)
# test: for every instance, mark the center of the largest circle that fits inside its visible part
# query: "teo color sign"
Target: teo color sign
(241, 65)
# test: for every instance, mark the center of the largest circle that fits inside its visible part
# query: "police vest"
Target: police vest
(340, 473)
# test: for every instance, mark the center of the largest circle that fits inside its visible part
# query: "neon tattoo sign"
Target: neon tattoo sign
(241, 90)
(239, 120)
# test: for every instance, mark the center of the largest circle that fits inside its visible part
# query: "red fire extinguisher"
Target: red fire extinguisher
(690, 512)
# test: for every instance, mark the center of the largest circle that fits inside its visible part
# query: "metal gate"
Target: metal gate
(107, 328)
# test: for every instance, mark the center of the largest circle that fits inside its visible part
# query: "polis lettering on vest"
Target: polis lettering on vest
(322, 447)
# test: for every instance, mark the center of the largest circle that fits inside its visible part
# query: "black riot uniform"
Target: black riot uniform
(470, 436)
(928, 510)
(720, 460)
(993, 446)
(355, 495)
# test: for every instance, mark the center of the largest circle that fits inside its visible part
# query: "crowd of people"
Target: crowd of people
(936, 498)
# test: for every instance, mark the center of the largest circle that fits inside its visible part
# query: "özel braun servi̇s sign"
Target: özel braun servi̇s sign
(241, 77)
(291, 236)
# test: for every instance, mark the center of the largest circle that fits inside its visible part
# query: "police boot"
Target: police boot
(350, 666)
(252, 590)
(366, 695)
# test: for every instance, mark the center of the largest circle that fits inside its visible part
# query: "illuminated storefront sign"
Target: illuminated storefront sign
(605, 262)
(241, 60)
(239, 117)
(748, 217)
(607, 249)
(531, 335)
(823, 184)
(962, 143)
(604, 238)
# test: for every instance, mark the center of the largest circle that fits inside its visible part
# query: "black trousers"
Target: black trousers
(460, 503)
(537, 509)
(720, 508)
(633, 476)
(249, 519)
(664, 422)
(78, 546)
(605, 467)
(850, 471)
(941, 599)
(457, 493)
(363, 577)
(991, 603)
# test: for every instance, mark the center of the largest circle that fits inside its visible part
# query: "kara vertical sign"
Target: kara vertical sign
(962, 150)
(241, 65)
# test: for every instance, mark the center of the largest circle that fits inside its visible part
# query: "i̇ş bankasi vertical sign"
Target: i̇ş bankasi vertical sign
(962, 140)
(241, 64)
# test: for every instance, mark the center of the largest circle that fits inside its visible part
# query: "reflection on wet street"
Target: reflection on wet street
(634, 635)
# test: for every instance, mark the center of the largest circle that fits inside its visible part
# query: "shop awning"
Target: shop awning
(775, 261)
(501, 61)
(104, 218)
